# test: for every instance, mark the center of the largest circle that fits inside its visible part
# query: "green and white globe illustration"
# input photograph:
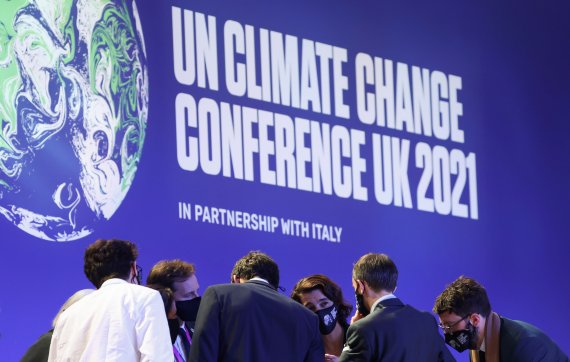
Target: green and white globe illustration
(73, 112)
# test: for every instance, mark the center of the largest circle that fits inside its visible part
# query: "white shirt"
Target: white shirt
(118, 322)
(259, 279)
(387, 296)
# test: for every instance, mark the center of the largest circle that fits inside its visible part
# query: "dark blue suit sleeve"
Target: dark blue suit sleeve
(205, 343)
(357, 347)
(316, 351)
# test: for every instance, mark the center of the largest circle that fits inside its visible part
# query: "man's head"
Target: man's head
(180, 277)
(177, 275)
(373, 276)
(256, 264)
(106, 259)
(378, 271)
(463, 307)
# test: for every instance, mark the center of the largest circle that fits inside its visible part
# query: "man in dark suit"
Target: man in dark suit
(384, 328)
(469, 323)
(249, 320)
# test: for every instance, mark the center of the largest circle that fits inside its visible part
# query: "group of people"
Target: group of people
(250, 320)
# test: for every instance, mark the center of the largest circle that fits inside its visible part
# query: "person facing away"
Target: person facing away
(383, 327)
(324, 297)
(180, 277)
(249, 320)
(468, 322)
(121, 320)
(39, 351)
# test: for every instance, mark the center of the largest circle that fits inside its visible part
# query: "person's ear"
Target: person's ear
(360, 286)
(235, 279)
(132, 272)
(476, 319)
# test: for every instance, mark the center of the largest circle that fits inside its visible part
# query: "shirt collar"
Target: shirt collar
(387, 296)
(259, 279)
(113, 281)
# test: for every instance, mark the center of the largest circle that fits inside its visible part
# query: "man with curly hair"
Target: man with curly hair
(121, 320)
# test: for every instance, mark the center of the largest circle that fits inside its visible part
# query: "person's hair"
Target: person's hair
(74, 298)
(463, 297)
(330, 290)
(377, 270)
(257, 264)
(166, 294)
(106, 259)
(166, 272)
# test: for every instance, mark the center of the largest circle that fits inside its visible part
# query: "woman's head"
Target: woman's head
(318, 292)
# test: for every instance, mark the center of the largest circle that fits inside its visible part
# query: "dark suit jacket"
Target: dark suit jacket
(395, 332)
(522, 342)
(39, 351)
(253, 322)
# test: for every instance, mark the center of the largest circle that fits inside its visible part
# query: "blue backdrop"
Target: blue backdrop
(500, 209)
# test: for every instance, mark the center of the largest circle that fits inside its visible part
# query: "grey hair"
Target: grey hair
(74, 298)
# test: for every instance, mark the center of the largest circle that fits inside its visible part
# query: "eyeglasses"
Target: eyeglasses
(139, 274)
(447, 328)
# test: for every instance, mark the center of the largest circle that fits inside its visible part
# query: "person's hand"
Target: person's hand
(331, 358)
(357, 316)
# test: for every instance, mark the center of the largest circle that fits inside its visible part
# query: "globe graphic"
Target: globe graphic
(73, 112)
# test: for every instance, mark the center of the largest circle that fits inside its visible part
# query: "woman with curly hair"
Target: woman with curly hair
(324, 297)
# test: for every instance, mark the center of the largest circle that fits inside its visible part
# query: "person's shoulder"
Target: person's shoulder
(225, 287)
(297, 306)
(137, 292)
(370, 322)
(420, 314)
(517, 329)
(222, 290)
(141, 289)
(524, 341)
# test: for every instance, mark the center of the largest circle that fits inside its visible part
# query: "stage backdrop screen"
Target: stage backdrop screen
(315, 131)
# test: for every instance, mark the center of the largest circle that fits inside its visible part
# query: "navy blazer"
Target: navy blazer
(522, 342)
(253, 322)
(395, 331)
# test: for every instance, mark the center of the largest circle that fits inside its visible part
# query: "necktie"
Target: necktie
(185, 338)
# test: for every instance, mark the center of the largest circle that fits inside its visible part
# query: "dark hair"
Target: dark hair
(166, 294)
(166, 272)
(377, 270)
(257, 264)
(329, 288)
(106, 259)
(463, 297)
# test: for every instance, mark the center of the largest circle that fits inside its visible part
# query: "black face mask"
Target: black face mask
(360, 304)
(187, 310)
(173, 327)
(327, 319)
(463, 339)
